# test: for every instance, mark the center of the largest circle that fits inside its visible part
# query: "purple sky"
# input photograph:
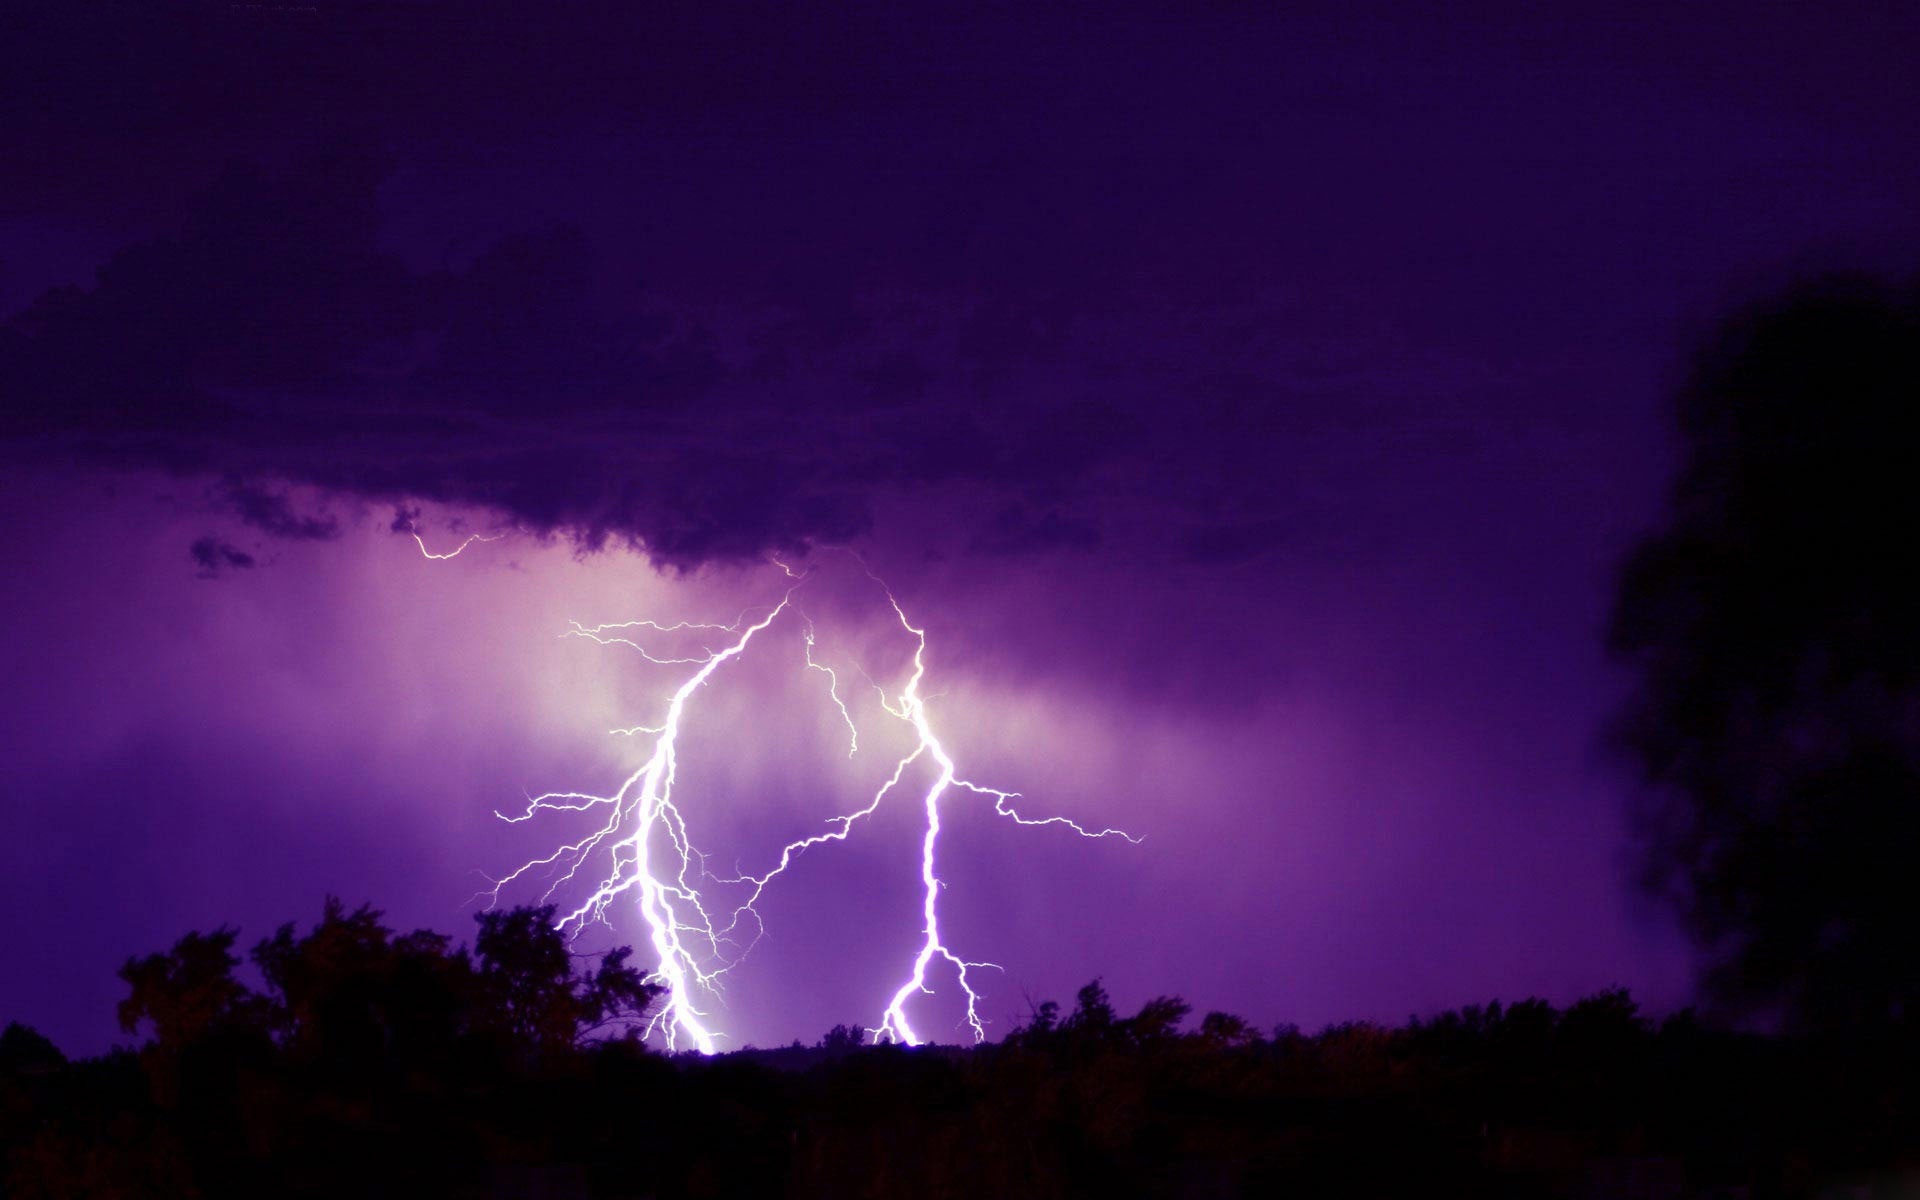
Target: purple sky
(1253, 408)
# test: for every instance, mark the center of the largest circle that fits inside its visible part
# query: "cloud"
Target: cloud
(271, 340)
(272, 513)
(1240, 542)
(1029, 316)
(213, 556)
(1019, 529)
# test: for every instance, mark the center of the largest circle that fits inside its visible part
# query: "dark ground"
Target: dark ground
(371, 1064)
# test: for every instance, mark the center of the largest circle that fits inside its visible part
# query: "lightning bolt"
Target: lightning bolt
(455, 552)
(646, 851)
(894, 1024)
(667, 902)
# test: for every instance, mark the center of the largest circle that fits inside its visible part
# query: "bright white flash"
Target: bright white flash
(642, 848)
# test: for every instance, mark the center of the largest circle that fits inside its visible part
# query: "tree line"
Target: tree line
(373, 1063)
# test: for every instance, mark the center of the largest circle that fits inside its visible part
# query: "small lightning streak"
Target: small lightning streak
(833, 690)
(453, 553)
(647, 851)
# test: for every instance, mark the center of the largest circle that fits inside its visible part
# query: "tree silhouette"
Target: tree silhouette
(370, 1063)
(364, 1062)
(353, 999)
(350, 991)
(23, 1050)
(526, 974)
(186, 992)
(1092, 1013)
(1225, 1029)
(1774, 624)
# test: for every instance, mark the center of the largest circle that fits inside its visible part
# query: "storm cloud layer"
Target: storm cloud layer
(717, 281)
(272, 340)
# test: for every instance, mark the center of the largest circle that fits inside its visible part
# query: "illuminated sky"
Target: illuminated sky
(1251, 408)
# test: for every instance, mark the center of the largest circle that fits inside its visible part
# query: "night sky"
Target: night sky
(1253, 403)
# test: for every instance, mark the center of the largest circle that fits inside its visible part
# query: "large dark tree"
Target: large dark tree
(1774, 624)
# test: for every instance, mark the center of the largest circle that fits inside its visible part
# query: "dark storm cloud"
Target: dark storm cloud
(270, 339)
(953, 255)
(1235, 543)
(268, 336)
(213, 556)
(273, 513)
(725, 279)
(119, 93)
(1018, 529)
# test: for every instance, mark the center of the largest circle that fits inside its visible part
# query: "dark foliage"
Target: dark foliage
(374, 1064)
(353, 1070)
(1772, 625)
